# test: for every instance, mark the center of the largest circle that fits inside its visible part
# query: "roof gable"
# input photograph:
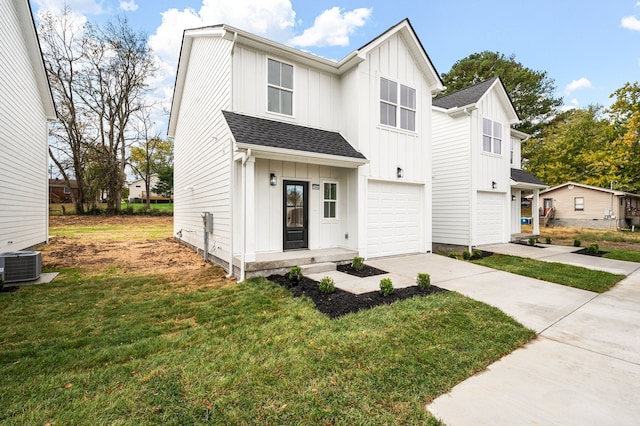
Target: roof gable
(471, 96)
(590, 187)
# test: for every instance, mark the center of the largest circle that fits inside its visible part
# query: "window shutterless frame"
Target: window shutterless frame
(279, 87)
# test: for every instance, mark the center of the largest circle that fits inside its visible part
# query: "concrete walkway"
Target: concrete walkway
(584, 366)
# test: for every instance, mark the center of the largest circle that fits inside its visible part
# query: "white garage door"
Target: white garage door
(393, 219)
(490, 218)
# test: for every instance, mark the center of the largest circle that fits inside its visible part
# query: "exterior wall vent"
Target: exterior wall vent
(16, 266)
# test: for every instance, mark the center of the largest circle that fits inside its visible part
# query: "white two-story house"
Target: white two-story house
(293, 158)
(478, 180)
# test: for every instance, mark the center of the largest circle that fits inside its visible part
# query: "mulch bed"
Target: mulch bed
(367, 271)
(341, 302)
(585, 251)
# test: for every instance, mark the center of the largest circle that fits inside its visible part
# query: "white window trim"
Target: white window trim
(398, 106)
(575, 204)
(293, 90)
(492, 137)
(330, 219)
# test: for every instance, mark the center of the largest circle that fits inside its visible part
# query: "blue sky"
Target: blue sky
(590, 47)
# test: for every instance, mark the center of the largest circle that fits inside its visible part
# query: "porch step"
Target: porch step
(316, 268)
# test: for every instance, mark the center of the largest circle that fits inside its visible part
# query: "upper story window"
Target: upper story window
(491, 136)
(279, 87)
(390, 108)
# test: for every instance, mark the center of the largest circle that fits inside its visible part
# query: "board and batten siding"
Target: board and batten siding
(201, 147)
(451, 182)
(316, 94)
(23, 141)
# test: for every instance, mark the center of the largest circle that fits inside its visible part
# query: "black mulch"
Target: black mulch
(367, 271)
(585, 251)
(341, 302)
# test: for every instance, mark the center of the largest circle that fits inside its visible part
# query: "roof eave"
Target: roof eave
(282, 154)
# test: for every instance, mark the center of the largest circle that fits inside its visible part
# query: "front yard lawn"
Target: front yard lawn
(619, 254)
(559, 273)
(123, 348)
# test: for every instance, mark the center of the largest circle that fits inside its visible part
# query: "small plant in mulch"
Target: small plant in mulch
(548, 240)
(357, 263)
(364, 271)
(577, 243)
(466, 255)
(454, 255)
(532, 241)
(593, 249)
(423, 280)
(327, 285)
(295, 273)
(386, 287)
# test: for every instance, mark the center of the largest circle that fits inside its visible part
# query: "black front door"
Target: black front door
(296, 216)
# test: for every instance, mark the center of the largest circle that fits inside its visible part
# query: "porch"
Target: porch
(279, 263)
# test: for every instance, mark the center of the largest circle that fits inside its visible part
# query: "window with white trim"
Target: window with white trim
(67, 190)
(330, 200)
(390, 107)
(279, 87)
(578, 204)
(491, 136)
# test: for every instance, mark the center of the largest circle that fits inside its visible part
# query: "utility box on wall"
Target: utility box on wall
(207, 220)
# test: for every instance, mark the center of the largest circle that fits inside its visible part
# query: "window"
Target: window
(280, 87)
(330, 200)
(67, 190)
(578, 204)
(491, 136)
(389, 106)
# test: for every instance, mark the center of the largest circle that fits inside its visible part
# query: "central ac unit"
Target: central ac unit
(16, 266)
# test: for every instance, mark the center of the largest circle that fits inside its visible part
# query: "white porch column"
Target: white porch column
(535, 211)
(250, 210)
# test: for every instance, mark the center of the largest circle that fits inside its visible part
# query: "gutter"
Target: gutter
(230, 273)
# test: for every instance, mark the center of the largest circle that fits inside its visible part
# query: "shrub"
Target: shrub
(532, 241)
(466, 255)
(386, 286)
(548, 240)
(453, 255)
(593, 249)
(1, 283)
(295, 273)
(576, 243)
(358, 263)
(423, 280)
(327, 285)
(476, 254)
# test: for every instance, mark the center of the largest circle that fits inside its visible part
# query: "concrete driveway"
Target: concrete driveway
(584, 366)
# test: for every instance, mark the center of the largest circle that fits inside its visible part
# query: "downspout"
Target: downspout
(232, 173)
(471, 182)
(244, 215)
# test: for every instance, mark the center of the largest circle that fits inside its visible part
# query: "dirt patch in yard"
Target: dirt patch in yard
(115, 250)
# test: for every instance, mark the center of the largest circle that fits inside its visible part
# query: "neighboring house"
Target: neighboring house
(587, 206)
(298, 157)
(60, 192)
(477, 176)
(26, 105)
(138, 193)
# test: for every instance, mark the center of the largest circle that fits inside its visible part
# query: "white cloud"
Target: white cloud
(630, 23)
(129, 6)
(581, 83)
(79, 7)
(332, 28)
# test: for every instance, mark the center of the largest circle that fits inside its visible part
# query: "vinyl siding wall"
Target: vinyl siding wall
(451, 182)
(595, 204)
(202, 145)
(23, 142)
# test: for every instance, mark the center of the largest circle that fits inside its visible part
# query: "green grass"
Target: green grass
(69, 208)
(619, 254)
(137, 349)
(149, 230)
(559, 273)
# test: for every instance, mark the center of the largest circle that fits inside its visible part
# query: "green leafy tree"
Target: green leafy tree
(578, 145)
(164, 186)
(625, 113)
(149, 157)
(532, 92)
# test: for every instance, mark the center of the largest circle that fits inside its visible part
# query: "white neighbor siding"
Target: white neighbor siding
(25, 106)
(201, 161)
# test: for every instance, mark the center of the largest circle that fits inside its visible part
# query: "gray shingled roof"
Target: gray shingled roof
(276, 134)
(518, 175)
(467, 96)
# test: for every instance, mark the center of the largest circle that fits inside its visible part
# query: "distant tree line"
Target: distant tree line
(99, 78)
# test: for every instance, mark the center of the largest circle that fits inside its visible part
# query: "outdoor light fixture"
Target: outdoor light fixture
(493, 184)
(399, 173)
(513, 197)
(273, 181)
